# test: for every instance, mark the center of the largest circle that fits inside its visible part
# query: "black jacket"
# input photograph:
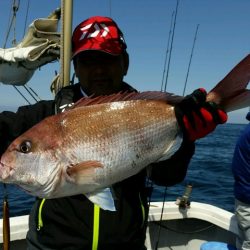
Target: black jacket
(74, 222)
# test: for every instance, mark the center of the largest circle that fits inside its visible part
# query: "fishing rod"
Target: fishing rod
(165, 87)
(6, 217)
(160, 223)
(6, 220)
(195, 36)
(171, 46)
(165, 62)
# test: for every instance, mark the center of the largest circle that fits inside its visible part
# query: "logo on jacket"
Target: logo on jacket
(65, 107)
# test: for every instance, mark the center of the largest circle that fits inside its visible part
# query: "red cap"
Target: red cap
(98, 33)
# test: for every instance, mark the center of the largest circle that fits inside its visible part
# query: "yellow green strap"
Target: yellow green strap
(96, 227)
(40, 220)
(95, 223)
(142, 210)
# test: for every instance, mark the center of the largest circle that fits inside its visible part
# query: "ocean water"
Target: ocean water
(210, 170)
(209, 173)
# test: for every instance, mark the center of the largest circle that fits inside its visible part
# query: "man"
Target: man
(241, 172)
(100, 62)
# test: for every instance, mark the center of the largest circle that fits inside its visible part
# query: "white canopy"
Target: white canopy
(40, 46)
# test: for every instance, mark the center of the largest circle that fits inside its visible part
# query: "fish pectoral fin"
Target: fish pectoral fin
(103, 198)
(83, 172)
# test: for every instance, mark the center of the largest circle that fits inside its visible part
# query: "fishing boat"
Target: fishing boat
(170, 228)
(170, 225)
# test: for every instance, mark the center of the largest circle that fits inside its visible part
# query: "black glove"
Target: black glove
(196, 117)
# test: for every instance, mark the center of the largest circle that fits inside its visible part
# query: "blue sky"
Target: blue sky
(223, 39)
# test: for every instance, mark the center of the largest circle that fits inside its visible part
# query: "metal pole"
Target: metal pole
(65, 53)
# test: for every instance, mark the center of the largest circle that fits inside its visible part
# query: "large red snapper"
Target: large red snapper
(104, 140)
(91, 147)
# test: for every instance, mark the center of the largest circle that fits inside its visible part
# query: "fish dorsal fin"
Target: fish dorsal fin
(128, 96)
(103, 198)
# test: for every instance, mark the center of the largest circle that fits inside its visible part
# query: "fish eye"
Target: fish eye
(25, 147)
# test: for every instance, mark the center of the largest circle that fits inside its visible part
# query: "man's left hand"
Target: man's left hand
(196, 117)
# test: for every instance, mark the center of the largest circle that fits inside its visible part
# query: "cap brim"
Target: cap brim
(103, 51)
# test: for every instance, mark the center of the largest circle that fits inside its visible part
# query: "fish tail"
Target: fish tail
(231, 93)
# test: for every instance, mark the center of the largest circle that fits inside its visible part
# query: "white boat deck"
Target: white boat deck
(202, 211)
(182, 229)
(187, 229)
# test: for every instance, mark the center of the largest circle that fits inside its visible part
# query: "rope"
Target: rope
(26, 17)
(11, 22)
(185, 232)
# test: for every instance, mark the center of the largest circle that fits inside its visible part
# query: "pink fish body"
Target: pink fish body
(91, 147)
